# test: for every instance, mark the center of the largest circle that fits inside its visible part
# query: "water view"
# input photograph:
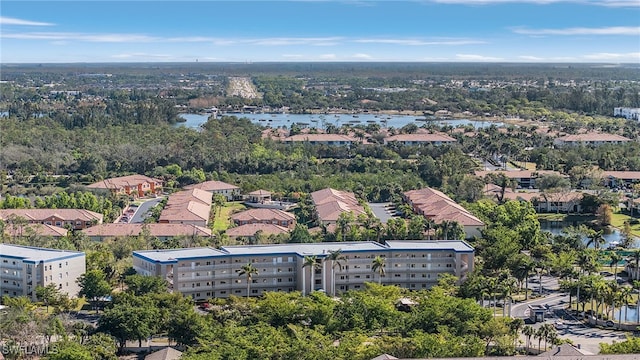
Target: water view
(323, 120)
(612, 236)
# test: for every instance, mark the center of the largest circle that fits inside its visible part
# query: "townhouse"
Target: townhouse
(438, 207)
(264, 216)
(591, 139)
(250, 231)
(525, 179)
(187, 207)
(614, 179)
(229, 191)
(323, 139)
(77, 219)
(132, 185)
(204, 273)
(330, 203)
(420, 139)
(163, 232)
(23, 268)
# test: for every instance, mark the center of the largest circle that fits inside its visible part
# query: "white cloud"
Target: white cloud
(416, 42)
(475, 57)
(13, 21)
(611, 30)
(294, 41)
(59, 36)
(362, 56)
(328, 57)
(530, 58)
(633, 56)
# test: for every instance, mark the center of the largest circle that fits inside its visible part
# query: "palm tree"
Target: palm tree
(635, 257)
(624, 298)
(544, 332)
(378, 266)
(596, 239)
(428, 225)
(312, 263)
(248, 270)
(528, 331)
(335, 257)
(522, 272)
(614, 259)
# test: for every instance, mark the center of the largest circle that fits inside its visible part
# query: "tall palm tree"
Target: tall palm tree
(335, 258)
(378, 265)
(428, 225)
(312, 263)
(523, 271)
(248, 270)
(528, 331)
(614, 259)
(635, 257)
(624, 298)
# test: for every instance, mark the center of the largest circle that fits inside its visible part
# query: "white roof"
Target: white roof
(455, 245)
(34, 254)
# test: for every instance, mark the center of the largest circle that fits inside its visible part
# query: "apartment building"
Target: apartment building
(23, 268)
(204, 273)
(132, 185)
(75, 218)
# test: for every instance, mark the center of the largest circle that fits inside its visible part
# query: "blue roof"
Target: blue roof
(34, 254)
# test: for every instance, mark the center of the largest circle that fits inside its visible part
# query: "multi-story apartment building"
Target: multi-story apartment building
(23, 268)
(204, 273)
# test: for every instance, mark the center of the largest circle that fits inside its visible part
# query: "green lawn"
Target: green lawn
(222, 222)
(618, 220)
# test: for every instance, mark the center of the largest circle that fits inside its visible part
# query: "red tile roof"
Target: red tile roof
(42, 214)
(212, 185)
(159, 230)
(593, 137)
(37, 229)
(439, 207)
(330, 203)
(263, 214)
(123, 181)
(250, 230)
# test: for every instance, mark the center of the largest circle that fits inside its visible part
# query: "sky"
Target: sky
(604, 31)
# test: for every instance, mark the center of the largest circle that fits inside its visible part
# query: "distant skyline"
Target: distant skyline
(605, 31)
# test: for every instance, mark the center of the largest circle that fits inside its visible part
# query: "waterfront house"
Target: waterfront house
(420, 139)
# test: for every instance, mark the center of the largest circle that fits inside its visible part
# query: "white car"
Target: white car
(559, 325)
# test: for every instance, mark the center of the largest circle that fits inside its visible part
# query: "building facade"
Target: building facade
(24, 268)
(204, 273)
(627, 113)
(77, 219)
(132, 185)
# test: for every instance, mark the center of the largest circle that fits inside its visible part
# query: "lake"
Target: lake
(322, 120)
(610, 236)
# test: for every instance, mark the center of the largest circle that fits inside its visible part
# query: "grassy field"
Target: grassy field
(222, 222)
(618, 220)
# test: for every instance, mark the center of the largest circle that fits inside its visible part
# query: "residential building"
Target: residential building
(265, 216)
(249, 231)
(23, 230)
(187, 207)
(525, 179)
(162, 231)
(614, 179)
(591, 139)
(561, 202)
(323, 139)
(627, 113)
(229, 191)
(24, 268)
(132, 185)
(204, 273)
(420, 139)
(438, 207)
(330, 203)
(75, 218)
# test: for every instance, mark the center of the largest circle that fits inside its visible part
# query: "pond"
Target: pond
(612, 236)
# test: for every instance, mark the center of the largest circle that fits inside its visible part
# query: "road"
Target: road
(588, 338)
(141, 213)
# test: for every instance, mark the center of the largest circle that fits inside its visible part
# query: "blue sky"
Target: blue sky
(254, 31)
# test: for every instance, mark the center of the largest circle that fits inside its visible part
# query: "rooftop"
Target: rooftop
(34, 254)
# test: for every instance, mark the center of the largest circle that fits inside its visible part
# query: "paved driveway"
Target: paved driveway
(143, 209)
